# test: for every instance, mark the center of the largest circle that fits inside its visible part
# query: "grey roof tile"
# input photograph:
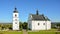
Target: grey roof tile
(39, 17)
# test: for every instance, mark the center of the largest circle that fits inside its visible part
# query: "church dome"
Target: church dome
(15, 11)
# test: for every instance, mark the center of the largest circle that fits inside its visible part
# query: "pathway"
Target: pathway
(25, 32)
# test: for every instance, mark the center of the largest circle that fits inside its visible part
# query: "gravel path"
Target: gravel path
(25, 32)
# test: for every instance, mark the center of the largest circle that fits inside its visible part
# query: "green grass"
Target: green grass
(58, 33)
(43, 33)
(52, 31)
(10, 32)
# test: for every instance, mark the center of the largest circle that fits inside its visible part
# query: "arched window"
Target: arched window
(15, 22)
(43, 23)
(15, 15)
(38, 24)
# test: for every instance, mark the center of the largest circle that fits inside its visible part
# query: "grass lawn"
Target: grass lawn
(43, 32)
(10, 32)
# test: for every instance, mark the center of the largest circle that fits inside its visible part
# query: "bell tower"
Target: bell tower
(15, 19)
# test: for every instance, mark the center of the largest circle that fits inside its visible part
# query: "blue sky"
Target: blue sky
(50, 8)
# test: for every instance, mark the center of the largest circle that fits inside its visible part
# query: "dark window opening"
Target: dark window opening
(43, 23)
(38, 24)
(15, 15)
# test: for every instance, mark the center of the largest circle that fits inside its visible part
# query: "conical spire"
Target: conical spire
(37, 12)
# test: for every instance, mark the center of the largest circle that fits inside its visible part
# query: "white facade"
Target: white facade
(38, 25)
(15, 21)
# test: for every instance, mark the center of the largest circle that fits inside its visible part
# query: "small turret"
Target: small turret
(37, 12)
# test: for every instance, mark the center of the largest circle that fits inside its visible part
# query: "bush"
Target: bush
(10, 28)
(27, 28)
(21, 28)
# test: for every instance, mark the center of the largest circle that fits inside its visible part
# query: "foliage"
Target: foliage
(58, 24)
(55, 25)
(27, 28)
(5, 26)
(20, 26)
(24, 25)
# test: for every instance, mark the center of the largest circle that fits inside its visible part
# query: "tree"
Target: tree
(58, 26)
(24, 25)
(27, 28)
(20, 26)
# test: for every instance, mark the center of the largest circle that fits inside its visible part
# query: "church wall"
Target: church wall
(35, 25)
(30, 24)
(42, 25)
(48, 25)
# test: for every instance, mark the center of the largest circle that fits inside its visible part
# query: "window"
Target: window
(38, 24)
(15, 22)
(15, 15)
(43, 23)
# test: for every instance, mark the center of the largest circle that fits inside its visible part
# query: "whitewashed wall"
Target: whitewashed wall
(48, 25)
(34, 25)
(15, 13)
(30, 22)
(15, 22)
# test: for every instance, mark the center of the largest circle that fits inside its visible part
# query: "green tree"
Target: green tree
(20, 26)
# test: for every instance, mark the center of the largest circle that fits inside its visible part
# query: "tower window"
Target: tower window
(15, 22)
(38, 24)
(15, 15)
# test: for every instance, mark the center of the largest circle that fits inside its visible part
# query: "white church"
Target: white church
(35, 21)
(15, 20)
(38, 22)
